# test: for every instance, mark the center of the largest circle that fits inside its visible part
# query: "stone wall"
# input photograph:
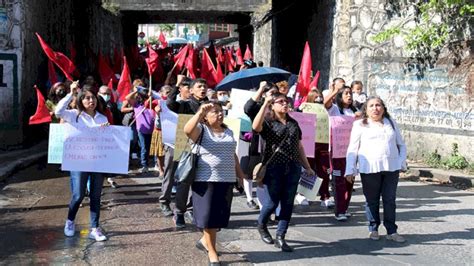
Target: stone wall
(262, 44)
(434, 110)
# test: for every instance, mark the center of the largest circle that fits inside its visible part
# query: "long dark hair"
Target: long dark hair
(364, 110)
(82, 94)
(340, 102)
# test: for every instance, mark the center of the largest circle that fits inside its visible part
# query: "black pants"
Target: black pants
(374, 185)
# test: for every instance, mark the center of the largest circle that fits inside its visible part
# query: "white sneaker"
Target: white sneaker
(348, 214)
(69, 228)
(327, 203)
(301, 199)
(97, 235)
(374, 235)
(143, 170)
(134, 156)
(340, 217)
(396, 238)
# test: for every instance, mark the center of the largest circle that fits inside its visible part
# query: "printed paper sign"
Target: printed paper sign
(181, 140)
(307, 125)
(169, 122)
(55, 143)
(309, 186)
(96, 149)
(322, 120)
(238, 98)
(341, 127)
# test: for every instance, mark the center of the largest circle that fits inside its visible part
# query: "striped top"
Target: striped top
(216, 162)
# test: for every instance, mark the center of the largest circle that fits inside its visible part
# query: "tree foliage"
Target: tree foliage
(438, 24)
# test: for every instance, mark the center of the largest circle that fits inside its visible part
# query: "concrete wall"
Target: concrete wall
(262, 44)
(434, 110)
(194, 5)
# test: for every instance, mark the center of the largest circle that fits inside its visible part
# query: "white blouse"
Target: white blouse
(375, 148)
(334, 111)
(70, 115)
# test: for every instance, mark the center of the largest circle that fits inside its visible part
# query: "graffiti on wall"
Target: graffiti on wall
(436, 100)
(9, 100)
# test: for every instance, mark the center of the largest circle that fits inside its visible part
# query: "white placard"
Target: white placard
(169, 122)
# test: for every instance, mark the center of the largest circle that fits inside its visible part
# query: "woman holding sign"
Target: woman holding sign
(89, 113)
(283, 138)
(377, 148)
(217, 167)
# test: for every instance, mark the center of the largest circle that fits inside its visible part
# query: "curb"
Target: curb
(441, 175)
(16, 165)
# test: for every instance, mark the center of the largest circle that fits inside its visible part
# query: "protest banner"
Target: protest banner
(169, 122)
(55, 143)
(322, 120)
(309, 186)
(307, 126)
(96, 149)
(238, 99)
(181, 139)
(341, 127)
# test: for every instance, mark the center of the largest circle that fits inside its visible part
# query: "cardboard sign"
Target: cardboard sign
(96, 149)
(341, 127)
(181, 140)
(307, 125)
(234, 124)
(322, 120)
(55, 143)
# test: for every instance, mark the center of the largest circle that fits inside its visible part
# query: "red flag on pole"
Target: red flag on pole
(304, 77)
(152, 60)
(315, 81)
(208, 72)
(190, 63)
(42, 113)
(66, 65)
(220, 56)
(111, 87)
(52, 73)
(125, 84)
(219, 74)
(229, 60)
(248, 54)
(163, 41)
(238, 54)
(105, 71)
(180, 57)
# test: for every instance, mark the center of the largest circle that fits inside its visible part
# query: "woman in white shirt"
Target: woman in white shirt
(378, 153)
(88, 113)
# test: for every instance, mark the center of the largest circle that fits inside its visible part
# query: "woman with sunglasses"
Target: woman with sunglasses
(283, 138)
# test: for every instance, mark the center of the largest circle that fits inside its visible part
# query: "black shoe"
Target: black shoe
(215, 263)
(179, 221)
(264, 234)
(166, 210)
(200, 246)
(281, 243)
(252, 205)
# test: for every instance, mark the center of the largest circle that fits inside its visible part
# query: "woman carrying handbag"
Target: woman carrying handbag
(283, 138)
(216, 171)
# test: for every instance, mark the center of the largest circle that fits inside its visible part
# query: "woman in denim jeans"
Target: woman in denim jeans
(281, 132)
(89, 113)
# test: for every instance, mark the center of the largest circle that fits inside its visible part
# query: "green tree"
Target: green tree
(166, 27)
(439, 24)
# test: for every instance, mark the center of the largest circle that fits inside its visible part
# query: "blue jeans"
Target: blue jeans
(145, 142)
(374, 185)
(282, 183)
(78, 190)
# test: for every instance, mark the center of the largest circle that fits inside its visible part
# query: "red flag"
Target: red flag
(315, 81)
(42, 113)
(66, 65)
(219, 74)
(220, 56)
(208, 72)
(105, 71)
(152, 60)
(248, 54)
(190, 63)
(180, 57)
(304, 77)
(229, 60)
(163, 41)
(240, 60)
(125, 84)
(52, 73)
(111, 87)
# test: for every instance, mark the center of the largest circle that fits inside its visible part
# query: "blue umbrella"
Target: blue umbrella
(251, 78)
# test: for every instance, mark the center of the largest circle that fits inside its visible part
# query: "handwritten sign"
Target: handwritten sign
(322, 120)
(181, 140)
(55, 144)
(234, 124)
(238, 99)
(341, 127)
(309, 186)
(307, 124)
(169, 122)
(96, 149)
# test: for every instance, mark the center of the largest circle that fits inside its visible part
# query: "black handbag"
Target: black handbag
(187, 165)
